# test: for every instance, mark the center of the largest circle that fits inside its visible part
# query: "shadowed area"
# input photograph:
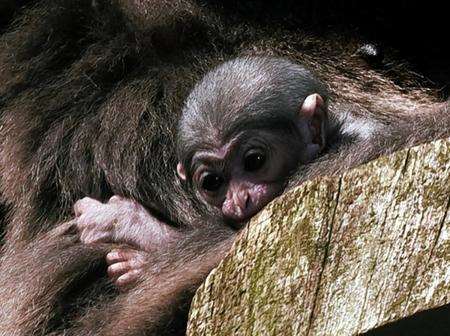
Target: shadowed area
(413, 30)
(434, 322)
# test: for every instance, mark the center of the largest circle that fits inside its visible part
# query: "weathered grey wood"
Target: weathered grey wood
(339, 256)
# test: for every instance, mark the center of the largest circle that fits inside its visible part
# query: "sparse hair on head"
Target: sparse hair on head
(257, 92)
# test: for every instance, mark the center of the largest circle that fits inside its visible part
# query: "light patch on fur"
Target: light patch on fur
(358, 127)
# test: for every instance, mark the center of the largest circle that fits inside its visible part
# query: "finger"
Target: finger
(128, 278)
(119, 255)
(115, 199)
(83, 204)
(117, 269)
(88, 236)
(82, 222)
(84, 234)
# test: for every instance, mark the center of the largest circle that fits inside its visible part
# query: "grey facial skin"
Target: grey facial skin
(246, 126)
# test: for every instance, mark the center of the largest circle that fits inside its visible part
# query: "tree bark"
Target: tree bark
(339, 256)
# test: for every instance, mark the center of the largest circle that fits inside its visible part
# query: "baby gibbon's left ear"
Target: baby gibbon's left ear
(181, 171)
(313, 112)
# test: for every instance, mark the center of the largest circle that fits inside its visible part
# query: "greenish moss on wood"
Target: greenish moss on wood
(339, 256)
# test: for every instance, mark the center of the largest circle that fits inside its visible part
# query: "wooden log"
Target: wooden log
(339, 256)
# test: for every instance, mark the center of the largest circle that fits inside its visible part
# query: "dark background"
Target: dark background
(416, 31)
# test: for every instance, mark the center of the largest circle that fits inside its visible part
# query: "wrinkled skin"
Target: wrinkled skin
(122, 221)
(125, 266)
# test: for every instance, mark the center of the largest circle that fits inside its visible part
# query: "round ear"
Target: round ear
(181, 171)
(313, 112)
(311, 105)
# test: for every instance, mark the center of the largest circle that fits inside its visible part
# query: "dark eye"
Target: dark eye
(254, 161)
(211, 182)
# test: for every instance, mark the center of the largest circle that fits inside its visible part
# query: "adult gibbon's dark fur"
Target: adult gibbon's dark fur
(90, 94)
